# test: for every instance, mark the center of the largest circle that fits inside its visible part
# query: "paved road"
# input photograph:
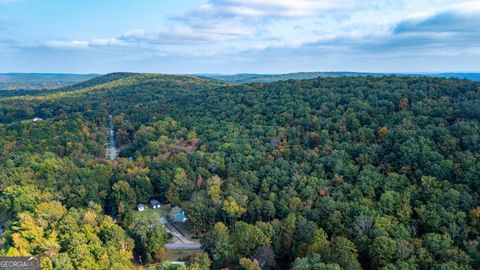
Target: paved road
(182, 242)
(171, 229)
(111, 150)
(183, 246)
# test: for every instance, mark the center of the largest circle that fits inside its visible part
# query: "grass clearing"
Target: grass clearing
(149, 212)
(180, 254)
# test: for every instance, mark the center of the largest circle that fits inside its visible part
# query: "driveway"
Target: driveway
(180, 241)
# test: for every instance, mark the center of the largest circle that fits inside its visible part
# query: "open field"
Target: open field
(149, 212)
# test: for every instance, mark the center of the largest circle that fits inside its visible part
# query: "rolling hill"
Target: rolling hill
(351, 172)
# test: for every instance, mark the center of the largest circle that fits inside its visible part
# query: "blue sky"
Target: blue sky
(235, 36)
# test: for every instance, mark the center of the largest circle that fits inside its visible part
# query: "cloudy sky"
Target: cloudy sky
(233, 36)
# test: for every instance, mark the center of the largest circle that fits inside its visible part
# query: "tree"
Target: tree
(248, 264)
(142, 186)
(246, 238)
(48, 214)
(201, 215)
(344, 253)
(231, 207)
(123, 197)
(319, 244)
(180, 188)
(150, 237)
(389, 202)
(313, 262)
(16, 199)
(214, 186)
(382, 251)
(199, 262)
(265, 258)
(62, 262)
(382, 132)
(167, 265)
(438, 244)
(283, 237)
(73, 239)
(218, 245)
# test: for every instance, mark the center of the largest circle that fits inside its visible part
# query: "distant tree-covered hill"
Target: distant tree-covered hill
(40, 81)
(468, 76)
(252, 78)
(25, 83)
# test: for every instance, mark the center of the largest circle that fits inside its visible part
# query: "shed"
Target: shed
(140, 207)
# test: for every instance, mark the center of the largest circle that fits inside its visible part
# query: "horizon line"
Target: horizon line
(247, 73)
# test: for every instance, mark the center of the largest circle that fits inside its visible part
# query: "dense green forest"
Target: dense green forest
(327, 173)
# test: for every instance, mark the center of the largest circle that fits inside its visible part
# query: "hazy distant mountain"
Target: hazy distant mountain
(38, 81)
(253, 78)
(469, 76)
(48, 81)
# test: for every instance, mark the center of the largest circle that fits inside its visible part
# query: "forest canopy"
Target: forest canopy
(326, 173)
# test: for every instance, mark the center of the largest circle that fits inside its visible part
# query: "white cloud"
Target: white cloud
(303, 27)
(106, 42)
(222, 20)
(73, 44)
(185, 34)
(263, 8)
(469, 6)
(84, 44)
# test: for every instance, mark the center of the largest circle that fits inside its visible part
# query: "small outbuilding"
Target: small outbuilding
(155, 204)
(180, 217)
(140, 207)
(177, 215)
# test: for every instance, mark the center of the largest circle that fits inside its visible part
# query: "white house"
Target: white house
(140, 207)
